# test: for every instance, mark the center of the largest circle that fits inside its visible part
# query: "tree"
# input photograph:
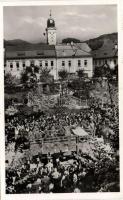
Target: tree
(28, 69)
(108, 74)
(116, 72)
(80, 73)
(36, 69)
(95, 44)
(24, 77)
(81, 83)
(69, 40)
(97, 72)
(44, 75)
(63, 74)
(9, 80)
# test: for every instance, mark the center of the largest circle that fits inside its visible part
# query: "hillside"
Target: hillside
(15, 42)
(96, 43)
(18, 42)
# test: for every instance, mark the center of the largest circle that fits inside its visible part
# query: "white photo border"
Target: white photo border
(71, 196)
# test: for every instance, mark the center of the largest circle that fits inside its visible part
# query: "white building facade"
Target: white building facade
(52, 56)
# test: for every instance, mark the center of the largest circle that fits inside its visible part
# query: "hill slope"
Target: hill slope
(96, 43)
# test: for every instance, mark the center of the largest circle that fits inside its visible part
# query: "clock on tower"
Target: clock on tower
(51, 31)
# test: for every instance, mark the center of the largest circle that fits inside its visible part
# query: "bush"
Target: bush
(63, 74)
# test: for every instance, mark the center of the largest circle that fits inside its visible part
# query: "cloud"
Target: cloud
(29, 22)
(86, 16)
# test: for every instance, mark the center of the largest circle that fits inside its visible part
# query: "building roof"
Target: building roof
(50, 21)
(83, 46)
(107, 50)
(47, 51)
(67, 51)
(29, 47)
(30, 51)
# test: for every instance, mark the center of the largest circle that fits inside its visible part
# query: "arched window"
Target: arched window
(23, 64)
(52, 63)
(115, 61)
(11, 66)
(46, 63)
(69, 63)
(17, 65)
(79, 63)
(40, 64)
(63, 63)
(85, 63)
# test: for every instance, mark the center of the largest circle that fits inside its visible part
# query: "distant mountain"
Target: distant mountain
(96, 43)
(15, 42)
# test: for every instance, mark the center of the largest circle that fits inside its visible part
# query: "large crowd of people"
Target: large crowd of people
(45, 125)
(55, 176)
(38, 176)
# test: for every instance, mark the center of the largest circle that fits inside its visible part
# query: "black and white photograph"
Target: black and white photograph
(61, 99)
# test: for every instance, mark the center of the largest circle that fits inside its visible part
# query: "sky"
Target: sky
(82, 22)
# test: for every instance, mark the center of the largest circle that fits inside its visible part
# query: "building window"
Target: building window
(21, 54)
(95, 62)
(46, 63)
(11, 66)
(85, 62)
(52, 63)
(40, 64)
(63, 63)
(106, 62)
(23, 64)
(79, 63)
(40, 53)
(69, 63)
(115, 62)
(17, 65)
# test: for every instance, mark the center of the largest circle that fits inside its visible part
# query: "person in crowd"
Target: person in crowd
(36, 176)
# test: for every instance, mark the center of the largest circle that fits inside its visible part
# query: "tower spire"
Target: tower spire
(51, 30)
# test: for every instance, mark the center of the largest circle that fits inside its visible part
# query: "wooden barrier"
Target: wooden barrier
(53, 145)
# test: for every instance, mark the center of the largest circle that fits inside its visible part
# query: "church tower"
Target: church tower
(51, 31)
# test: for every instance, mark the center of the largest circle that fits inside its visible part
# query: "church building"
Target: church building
(53, 56)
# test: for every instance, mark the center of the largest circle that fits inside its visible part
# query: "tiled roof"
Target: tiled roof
(47, 51)
(64, 50)
(30, 51)
(84, 46)
(29, 47)
(108, 50)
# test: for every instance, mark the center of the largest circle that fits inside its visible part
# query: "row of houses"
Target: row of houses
(55, 57)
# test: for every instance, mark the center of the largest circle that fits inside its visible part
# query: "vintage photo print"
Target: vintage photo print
(61, 99)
